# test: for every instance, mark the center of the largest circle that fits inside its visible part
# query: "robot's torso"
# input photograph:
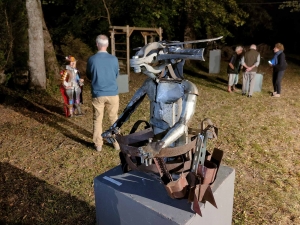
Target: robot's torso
(172, 104)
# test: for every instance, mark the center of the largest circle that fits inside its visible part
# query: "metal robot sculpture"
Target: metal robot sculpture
(167, 146)
(71, 88)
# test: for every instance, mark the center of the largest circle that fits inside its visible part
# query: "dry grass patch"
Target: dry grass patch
(48, 163)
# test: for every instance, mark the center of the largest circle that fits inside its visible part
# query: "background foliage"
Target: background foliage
(13, 32)
(240, 22)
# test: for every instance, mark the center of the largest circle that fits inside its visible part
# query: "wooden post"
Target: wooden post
(113, 45)
(128, 31)
(128, 51)
(160, 34)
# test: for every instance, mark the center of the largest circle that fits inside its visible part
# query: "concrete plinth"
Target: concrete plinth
(258, 80)
(139, 198)
(122, 81)
(214, 61)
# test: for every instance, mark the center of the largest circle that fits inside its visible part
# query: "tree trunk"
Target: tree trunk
(36, 62)
(52, 68)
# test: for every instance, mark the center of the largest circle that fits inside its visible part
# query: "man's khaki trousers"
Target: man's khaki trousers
(111, 103)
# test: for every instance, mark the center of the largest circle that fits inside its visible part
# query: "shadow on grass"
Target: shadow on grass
(44, 109)
(25, 199)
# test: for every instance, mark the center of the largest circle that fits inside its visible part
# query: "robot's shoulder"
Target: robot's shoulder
(190, 87)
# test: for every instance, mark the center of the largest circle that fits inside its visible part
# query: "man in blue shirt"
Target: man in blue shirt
(103, 69)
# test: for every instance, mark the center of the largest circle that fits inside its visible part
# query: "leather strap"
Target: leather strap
(137, 124)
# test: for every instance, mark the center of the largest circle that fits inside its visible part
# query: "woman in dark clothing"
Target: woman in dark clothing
(279, 65)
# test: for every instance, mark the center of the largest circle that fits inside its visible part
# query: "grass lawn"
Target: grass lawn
(47, 163)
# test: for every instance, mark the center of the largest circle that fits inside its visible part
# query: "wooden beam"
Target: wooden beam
(115, 32)
(128, 31)
(112, 40)
(134, 28)
(128, 50)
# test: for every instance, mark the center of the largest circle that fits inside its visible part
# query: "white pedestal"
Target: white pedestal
(214, 61)
(258, 83)
(136, 198)
(123, 84)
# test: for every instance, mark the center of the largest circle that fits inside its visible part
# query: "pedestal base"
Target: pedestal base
(139, 198)
(258, 80)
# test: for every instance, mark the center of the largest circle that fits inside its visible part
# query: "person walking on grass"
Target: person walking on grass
(279, 66)
(103, 70)
(250, 63)
(233, 68)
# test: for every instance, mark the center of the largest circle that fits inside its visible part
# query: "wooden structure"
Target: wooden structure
(146, 32)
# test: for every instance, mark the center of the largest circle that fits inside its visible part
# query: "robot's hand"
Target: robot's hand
(151, 150)
(109, 134)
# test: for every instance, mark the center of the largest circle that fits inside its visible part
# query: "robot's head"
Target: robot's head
(153, 60)
(155, 57)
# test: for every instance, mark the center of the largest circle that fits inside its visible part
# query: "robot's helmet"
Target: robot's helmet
(153, 60)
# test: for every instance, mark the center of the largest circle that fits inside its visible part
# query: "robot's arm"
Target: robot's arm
(130, 108)
(188, 108)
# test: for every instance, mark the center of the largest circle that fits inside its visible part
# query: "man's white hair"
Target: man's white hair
(102, 40)
(238, 48)
(253, 47)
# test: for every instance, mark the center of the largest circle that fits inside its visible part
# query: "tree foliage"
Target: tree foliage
(293, 5)
(13, 31)
(83, 19)
(88, 18)
(257, 24)
(207, 17)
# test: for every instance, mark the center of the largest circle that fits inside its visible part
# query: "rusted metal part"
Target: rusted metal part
(207, 172)
(193, 184)
(129, 145)
(178, 188)
(163, 171)
(176, 151)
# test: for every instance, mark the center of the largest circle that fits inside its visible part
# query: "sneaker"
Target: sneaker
(276, 95)
(98, 148)
(249, 96)
(243, 93)
(116, 145)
